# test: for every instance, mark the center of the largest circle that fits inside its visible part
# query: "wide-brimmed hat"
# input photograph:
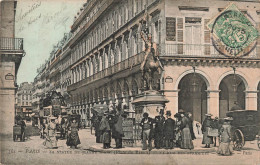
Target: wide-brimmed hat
(208, 114)
(52, 118)
(228, 119)
(181, 111)
(177, 115)
(168, 113)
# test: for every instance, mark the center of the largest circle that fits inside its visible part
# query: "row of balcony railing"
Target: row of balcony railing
(200, 50)
(11, 43)
(182, 50)
(126, 64)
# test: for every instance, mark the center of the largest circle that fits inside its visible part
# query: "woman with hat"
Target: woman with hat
(169, 126)
(205, 128)
(186, 139)
(51, 141)
(73, 137)
(177, 129)
(225, 147)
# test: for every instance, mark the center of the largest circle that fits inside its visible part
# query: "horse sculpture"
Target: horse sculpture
(151, 62)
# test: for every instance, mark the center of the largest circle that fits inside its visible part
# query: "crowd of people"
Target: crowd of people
(166, 132)
(108, 126)
(68, 129)
(163, 130)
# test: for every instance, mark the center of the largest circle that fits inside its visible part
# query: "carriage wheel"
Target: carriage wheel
(239, 140)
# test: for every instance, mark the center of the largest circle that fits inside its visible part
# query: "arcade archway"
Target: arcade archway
(232, 94)
(193, 96)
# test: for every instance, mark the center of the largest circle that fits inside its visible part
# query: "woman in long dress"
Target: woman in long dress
(205, 128)
(186, 139)
(73, 138)
(51, 141)
(225, 146)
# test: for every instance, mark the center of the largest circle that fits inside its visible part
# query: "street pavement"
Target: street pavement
(32, 151)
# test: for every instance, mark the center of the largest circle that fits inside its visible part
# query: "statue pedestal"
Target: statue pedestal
(150, 101)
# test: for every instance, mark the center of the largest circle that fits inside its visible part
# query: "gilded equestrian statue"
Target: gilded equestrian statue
(151, 62)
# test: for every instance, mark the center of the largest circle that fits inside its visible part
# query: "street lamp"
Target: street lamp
(194, 84)
(234, 79)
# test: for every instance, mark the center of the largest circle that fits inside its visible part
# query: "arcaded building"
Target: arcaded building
(204, 71)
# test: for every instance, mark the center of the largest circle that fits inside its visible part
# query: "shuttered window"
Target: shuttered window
(180, 35)
(206, 37)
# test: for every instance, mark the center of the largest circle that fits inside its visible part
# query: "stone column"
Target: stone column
(172, 96)
(213, 102)
(251, 100)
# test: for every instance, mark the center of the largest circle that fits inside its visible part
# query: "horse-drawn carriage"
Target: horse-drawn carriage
(245, 127)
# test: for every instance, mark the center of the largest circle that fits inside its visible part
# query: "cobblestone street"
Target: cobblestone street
(32, 151)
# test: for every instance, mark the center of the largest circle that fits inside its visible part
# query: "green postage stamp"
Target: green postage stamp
(233, 33)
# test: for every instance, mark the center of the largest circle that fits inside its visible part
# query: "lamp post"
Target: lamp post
(194, 84)
(234, 79)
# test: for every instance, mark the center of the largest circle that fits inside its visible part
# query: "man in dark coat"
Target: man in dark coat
(117, 130)
(205, 127)
(236, 107)
(105, 128)
(158, 131)
(147, 128)
(98, 132)
(169, 126)
(23, 125)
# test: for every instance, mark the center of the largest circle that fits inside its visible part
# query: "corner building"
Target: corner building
(11, 54)
(107, 50)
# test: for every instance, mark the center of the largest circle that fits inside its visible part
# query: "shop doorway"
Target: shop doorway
(232, 94)
(193, 96)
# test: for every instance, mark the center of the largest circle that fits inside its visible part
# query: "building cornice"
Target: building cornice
(210, 61)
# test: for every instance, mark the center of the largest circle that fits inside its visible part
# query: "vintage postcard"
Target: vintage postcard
(130, 82)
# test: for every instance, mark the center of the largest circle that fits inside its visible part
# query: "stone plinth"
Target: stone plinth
(149, 101)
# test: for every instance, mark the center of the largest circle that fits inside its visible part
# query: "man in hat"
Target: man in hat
(21, 123)
(147, 128)
(205, 128)
(169, 126)
(117, 129)
(105, 128)
(236, 106)
(158, 130)
(64, 127)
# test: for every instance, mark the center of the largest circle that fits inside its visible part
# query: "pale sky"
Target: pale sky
(42, 24)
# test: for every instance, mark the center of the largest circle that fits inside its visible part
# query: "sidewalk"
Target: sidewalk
(198, 149)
